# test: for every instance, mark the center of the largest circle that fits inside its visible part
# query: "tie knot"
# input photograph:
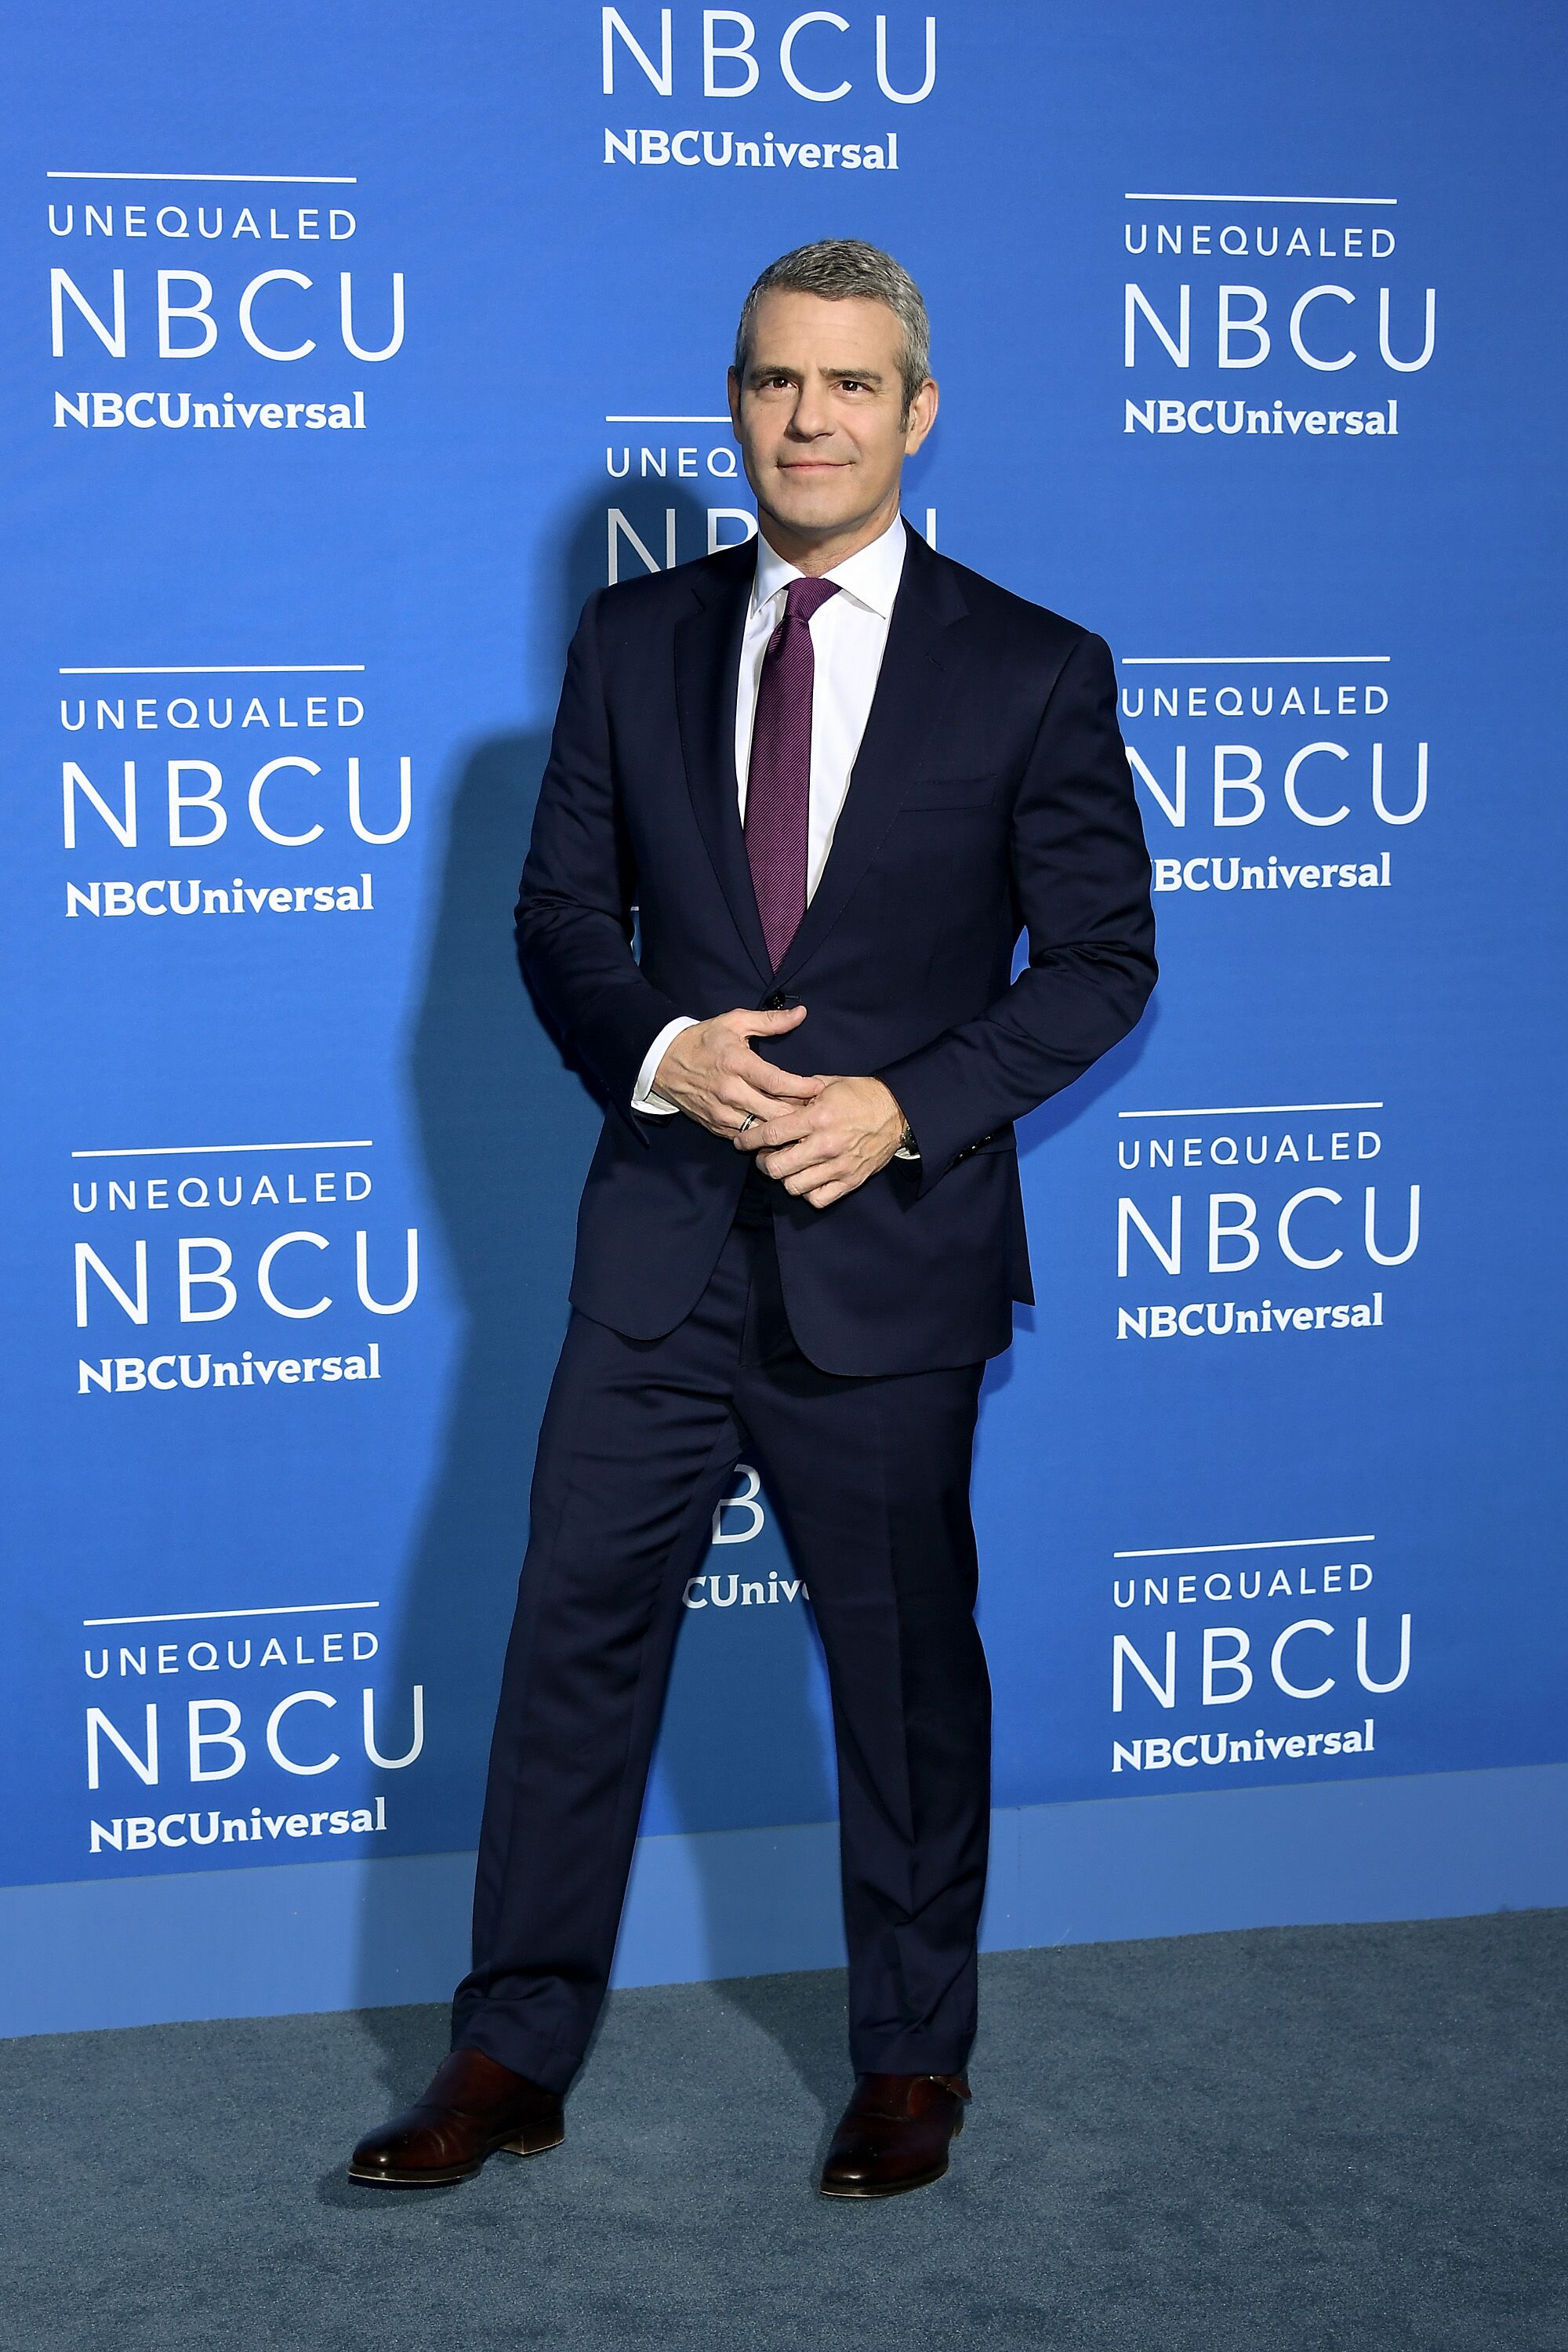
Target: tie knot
(804, 597)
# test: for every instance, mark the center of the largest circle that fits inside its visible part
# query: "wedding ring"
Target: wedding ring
(748, 1121)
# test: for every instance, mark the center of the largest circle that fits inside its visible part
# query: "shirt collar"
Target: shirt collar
(871, 575)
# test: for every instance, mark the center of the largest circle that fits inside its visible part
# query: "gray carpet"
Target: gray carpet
(1334, 2139)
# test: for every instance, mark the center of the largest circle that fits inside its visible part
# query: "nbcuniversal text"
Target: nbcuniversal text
(178, 315)
(1280, 299)
(144, 412)
(301, 1274)
(192, 802)
(1282, 805)
(165, 895)
(125, 1375)
(1315, 1226)
(1307, 1661)
(132, 1744)
(1196, 1747)
(141, 1832)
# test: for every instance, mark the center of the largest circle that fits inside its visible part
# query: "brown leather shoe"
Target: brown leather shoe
(472, 2107)
(894, 2134)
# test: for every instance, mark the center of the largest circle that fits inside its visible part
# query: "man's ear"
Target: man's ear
(734, 392)
(920, 417)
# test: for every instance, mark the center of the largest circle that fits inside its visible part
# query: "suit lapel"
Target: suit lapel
(706, 668)
(912, 686)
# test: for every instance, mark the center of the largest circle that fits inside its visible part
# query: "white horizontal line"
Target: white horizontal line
(191, 1616)
(190, 1151)
(288, 179)
(198, 669)
(1166, 196)
(668, 420)
(1232, 661)
(1277, 1543)
(1245, 1111)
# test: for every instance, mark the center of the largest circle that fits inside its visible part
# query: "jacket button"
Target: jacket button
(775, 1003)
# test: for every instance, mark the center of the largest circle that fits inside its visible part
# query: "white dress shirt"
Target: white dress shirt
(848, 636)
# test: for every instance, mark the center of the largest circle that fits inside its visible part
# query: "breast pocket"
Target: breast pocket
(951, 793)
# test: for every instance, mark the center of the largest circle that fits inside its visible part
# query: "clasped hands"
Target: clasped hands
(819, 1137)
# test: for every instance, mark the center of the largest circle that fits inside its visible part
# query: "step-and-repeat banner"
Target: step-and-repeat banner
(347, 352)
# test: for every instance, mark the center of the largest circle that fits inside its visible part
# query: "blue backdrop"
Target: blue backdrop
(347, 352)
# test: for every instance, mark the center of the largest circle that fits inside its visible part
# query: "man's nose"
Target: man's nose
(810, 420)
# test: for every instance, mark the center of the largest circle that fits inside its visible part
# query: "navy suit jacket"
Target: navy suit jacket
(991, 797)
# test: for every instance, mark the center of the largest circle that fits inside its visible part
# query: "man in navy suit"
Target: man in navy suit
(836, 775)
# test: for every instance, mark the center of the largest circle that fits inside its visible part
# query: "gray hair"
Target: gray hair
(837, 268)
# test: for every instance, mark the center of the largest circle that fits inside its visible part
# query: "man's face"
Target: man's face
(820, 413)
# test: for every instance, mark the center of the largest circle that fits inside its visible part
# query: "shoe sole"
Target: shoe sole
(873, 2196)
(899, 2189)
(448, 2179)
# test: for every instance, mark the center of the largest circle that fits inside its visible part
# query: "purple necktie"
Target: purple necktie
(778, 783)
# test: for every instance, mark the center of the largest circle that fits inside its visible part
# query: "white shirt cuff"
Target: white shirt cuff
(644, 1099)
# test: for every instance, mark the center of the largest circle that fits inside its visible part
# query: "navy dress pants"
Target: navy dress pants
(870, 1482)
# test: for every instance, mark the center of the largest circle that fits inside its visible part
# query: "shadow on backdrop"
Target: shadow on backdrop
(505, 1132)
(507, 1122)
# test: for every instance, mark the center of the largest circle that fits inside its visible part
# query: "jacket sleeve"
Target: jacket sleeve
(575, 912)
(1080, 880)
